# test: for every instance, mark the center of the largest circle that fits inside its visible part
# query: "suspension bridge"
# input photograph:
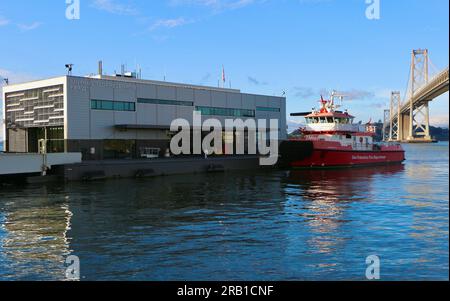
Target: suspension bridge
(408, 118)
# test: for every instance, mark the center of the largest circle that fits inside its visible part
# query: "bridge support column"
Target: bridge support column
(386, 130)
(394, 116)
(404, 129)
(419, 123)
(427, 122)
(411, 122)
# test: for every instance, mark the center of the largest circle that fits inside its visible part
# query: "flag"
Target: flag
(223, 74)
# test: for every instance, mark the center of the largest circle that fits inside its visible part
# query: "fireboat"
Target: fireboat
(331, 139)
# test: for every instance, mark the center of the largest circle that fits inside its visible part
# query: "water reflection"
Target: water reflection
(322, 197)
(35, 233)
(274, 225)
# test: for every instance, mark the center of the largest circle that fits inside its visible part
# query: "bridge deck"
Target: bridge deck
(438, 85)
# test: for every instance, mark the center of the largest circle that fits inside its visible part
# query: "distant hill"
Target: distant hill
(438, 133)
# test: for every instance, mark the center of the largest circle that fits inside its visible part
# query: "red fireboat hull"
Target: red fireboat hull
(328, 158)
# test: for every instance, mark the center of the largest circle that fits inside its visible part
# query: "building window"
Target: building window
(165, 102)
(112, 105)
(267, 109)
(225, 112)
(119, 149)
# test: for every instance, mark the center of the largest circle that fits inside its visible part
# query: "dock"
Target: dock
(38, 168)
(110, 169)
(16, 164)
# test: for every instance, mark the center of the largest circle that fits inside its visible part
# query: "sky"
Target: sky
(301, 47)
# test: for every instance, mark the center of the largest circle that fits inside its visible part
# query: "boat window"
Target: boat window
(330, 119)
(348, 136)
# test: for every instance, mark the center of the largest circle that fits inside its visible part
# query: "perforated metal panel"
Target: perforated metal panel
(35, 107)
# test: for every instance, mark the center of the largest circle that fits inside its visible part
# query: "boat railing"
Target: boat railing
(335, 127)
(388, 143)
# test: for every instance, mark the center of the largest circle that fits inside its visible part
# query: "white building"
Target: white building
(117, 116)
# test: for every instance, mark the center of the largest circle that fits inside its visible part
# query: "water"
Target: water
(317, 225)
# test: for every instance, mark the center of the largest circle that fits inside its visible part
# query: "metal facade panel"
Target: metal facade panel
(146, 91)
(248, 101)
(101, 93)
(102, 124)
(234, 100)
(77, 112)
(146, 113)
(202, 97)
(125, 94)
(185, 94)
(218, 99)
(168, 93)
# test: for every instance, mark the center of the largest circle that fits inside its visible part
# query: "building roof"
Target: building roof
(161, 83)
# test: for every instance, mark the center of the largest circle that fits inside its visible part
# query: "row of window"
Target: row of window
(225, 112)
(267, 109)
(112, 105)
(131, 106)
(166, 102)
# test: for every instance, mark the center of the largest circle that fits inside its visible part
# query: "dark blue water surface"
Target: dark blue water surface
(277, 225)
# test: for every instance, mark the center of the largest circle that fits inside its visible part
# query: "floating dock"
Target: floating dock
(108, 169)
(13, 164)
(38, 168)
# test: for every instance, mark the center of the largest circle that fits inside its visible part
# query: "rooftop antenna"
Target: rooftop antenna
(100, 68)
(6, 80)
(69, 68)
(138, 71)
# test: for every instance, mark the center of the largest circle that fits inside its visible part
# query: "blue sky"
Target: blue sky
(267, 46)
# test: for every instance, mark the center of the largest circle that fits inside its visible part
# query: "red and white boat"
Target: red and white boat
(331, 139)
